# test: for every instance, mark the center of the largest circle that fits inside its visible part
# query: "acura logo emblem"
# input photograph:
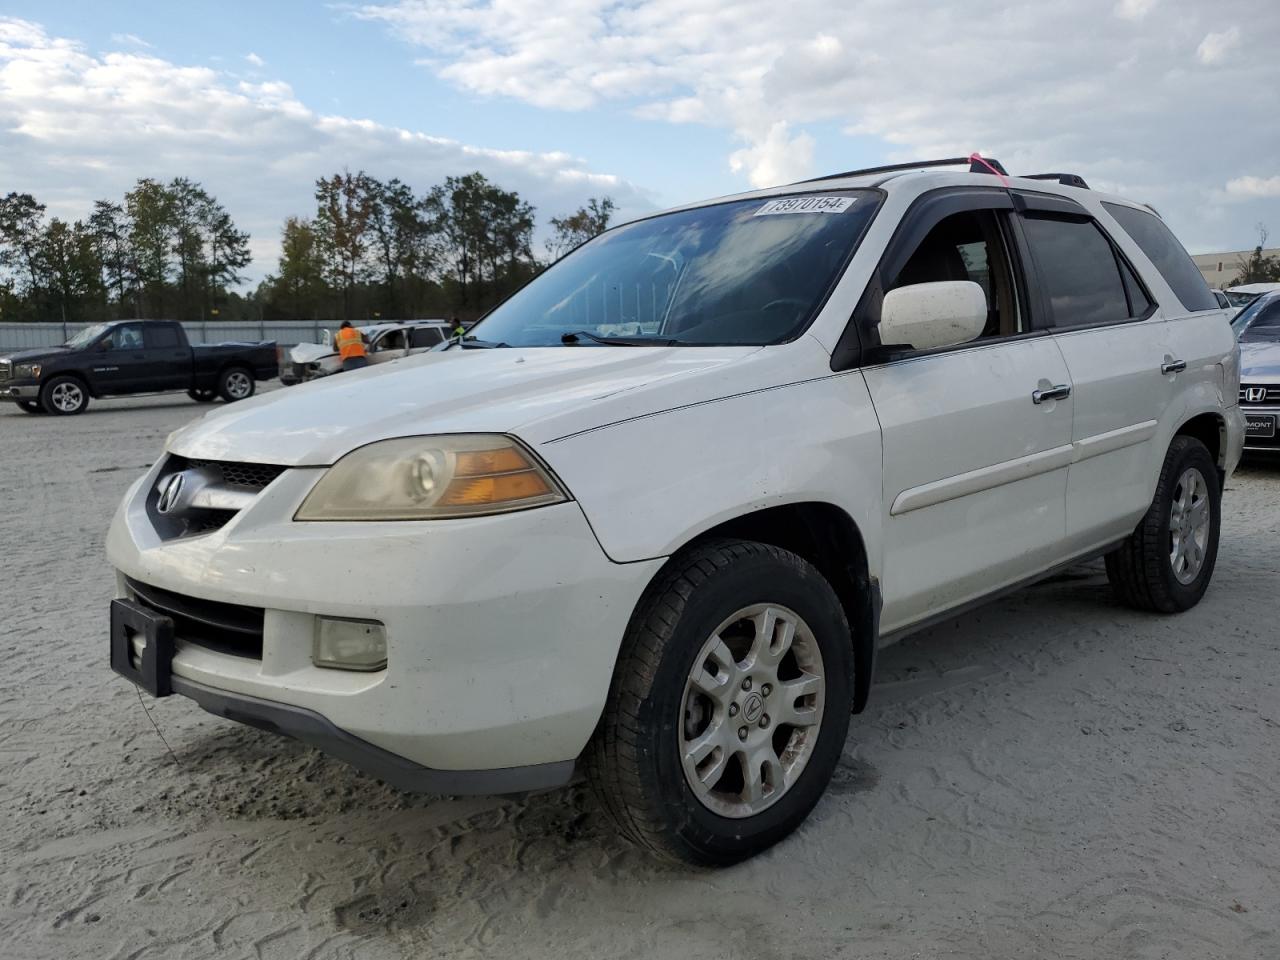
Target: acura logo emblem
(1255, 394)
(169, 495)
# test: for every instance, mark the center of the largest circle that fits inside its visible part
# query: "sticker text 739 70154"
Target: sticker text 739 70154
(805, 205)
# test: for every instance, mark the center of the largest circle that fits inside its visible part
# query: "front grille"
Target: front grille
(256, 475)
(1270, 393)
(224, 627)
(6, 370)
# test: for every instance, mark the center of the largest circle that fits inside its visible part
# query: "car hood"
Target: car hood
(311, 352)
(540, 393)
(28, 356)
(1260, 360)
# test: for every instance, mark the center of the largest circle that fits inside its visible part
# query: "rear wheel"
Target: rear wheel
(235, 384)
(64, 396)
(729, 705)
(1167, 562)
(203, 396)
(30, 406)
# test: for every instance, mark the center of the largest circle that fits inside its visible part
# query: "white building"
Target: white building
(1221, 269)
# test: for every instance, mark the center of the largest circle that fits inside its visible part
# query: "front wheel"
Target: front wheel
(64, 396)
(729, 706)
(1167, 562)
(235, 384)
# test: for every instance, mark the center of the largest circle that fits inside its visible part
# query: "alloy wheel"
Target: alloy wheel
(1189, 525)
(68, 397)
(238, 385)
(752, 710)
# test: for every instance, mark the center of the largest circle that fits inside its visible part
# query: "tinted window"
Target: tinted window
(744, 272)
(1139, 303)
(1163, 249)
(1221, 297)
(1078, 272)
(1263, 324)
(160, 337)
(425, 336)
(968, 246)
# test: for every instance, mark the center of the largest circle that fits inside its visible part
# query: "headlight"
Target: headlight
(25, 370)
(431, 478)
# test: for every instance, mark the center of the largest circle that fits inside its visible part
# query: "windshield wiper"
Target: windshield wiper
(471, 343)
(572, 339)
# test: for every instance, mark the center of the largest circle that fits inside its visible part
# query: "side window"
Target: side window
(390, 341)
(160, 337)
(1266, 325)
(127, 336)
(1163, 249)
(1221, 297)
(425, 337)
(968, 246)
(1078, 271)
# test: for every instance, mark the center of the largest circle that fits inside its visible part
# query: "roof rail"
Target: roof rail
(1066, 179)
(900, 167)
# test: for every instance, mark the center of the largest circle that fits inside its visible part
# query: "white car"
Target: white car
(384, 342)
(656, 513)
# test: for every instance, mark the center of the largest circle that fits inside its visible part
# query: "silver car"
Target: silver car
(1257, 327)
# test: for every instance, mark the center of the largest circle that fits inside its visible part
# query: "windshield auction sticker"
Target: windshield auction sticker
(805, 205)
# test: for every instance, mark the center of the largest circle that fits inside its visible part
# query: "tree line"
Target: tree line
(370, 248)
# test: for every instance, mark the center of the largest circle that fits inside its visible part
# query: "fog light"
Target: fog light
(349, 644)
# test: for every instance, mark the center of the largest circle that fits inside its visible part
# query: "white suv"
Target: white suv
(654, 517)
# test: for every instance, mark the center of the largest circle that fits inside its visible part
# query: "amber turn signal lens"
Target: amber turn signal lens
(503, 488)
(480, 463)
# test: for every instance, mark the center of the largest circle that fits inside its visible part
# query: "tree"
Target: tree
(21, 228)
(299, 288)
(74, 271)
(151, 238)
(486, 233)
(402, 239)
(228, 251)
(109, 229)
(343, 209)
(1258, 268)
(580, 226)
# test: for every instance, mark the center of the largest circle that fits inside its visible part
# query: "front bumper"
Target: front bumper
(502, 632)
(1262, 444)
(20, 391)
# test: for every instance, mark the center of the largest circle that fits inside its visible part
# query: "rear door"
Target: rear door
(169, 357)
(388, 345)
(976, 437)
(422, 339)
(1117, 351)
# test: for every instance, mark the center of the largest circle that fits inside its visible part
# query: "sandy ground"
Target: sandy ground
(1052, 776)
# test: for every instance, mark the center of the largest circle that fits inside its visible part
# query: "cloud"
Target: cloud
(1250, 188)
(1215, 46)
(1134, 9)
(1103, 88)
(75, 127)
(129, 40)
(255, 60)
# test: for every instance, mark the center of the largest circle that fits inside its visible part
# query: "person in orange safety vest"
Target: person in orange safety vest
(350, 344)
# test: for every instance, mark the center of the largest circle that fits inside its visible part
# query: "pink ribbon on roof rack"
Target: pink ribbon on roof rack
(977, 158)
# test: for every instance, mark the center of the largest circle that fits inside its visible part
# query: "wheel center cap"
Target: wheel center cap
(752, 708)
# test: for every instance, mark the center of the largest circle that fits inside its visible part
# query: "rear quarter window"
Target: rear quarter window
(1163, 249)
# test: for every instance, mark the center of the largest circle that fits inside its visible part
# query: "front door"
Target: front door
(976, 437)
(120, 363)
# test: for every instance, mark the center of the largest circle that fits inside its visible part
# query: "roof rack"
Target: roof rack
(974, 167)
(1066, 179)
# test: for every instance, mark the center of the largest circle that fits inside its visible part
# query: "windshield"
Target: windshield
(1240, 299)
(750, 272)
(87, 335)
(1258, 321)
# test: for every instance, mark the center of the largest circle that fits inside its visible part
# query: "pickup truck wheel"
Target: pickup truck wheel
(235, 384)
(203, 396)
(64, 396)
(30, 406)
(1167, 562)
(729, 705)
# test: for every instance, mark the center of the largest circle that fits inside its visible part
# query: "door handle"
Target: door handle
(1173, 366)
(1059, 392)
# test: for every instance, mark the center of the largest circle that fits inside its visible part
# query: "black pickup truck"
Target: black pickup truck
(132, 356)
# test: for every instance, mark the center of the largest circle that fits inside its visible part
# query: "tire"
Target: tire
(235, 383)
(1167, 562)
(655, 719)
(203, 396)
(30, 406)
(64, 396)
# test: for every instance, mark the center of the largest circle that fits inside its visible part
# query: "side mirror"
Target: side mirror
(928, 315)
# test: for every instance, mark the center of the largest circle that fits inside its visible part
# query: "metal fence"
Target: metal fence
(23, 336)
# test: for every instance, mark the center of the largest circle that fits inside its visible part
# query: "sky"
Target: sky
(652, 102)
